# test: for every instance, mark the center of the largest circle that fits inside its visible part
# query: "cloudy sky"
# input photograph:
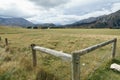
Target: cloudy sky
(57, 11)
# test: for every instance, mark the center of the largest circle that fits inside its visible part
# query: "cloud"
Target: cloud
(115, 7)
(49, 3)
(57, 11)
(63, 19)
(66, 19)
(16, 8)
(73, 11)
(81, 7)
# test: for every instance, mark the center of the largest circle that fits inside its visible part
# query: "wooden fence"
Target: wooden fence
(75, 57)
(0, 39)
(6, 41)
(63, 56)
(6, 45)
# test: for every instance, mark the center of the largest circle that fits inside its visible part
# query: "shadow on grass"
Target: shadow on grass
(44, 75)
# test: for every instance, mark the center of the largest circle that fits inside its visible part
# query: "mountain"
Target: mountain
(15, 22)
(83, 22)
(46, 25)
(106, 21)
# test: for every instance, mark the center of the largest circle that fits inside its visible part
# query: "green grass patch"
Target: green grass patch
(105, 73)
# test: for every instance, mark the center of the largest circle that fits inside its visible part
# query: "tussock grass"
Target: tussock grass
(104, 73)
(16, 64)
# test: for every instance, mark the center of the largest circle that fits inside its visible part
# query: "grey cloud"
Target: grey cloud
(85, 9)
(49, 3)
(14, 11)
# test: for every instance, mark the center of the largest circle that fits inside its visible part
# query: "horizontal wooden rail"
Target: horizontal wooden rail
(59, 54)
(92, 48)
(76, 56)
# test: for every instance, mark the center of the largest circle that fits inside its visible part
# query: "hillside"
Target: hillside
(15, 22)
(105, 21)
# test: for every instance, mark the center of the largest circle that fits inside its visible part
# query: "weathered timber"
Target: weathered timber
(34, 55)
(114, 48)
(0, 39)
(75, 67)
(6, 41)
(59, 54)
(75, 57)
(6, 45)
(89, 49)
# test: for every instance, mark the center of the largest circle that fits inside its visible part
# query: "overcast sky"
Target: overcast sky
(57, 11)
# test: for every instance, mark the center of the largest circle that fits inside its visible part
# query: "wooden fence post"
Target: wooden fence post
(6, 42)
(0, 39)
(75, 67)
(6, 45)
(34, 55)
(114, 48)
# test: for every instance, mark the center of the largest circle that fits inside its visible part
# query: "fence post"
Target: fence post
(34, 55)
(0, 39)
(6, 45)
(6, 42)
(114, 48)
(75, 67)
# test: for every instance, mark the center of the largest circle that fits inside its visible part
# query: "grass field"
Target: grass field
(16, 64)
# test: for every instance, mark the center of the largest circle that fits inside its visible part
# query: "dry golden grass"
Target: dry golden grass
(17, 63)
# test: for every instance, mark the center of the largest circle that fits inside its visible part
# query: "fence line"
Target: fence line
(59, 54)
(6, 44)
(0, 39)
(89, 49)
(75, 57)
(34, 55)
(6, 41)
(64, 56)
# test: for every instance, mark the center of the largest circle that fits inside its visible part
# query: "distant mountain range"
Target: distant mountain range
(45, 25)
(21, 22)
(15, 22)
(105, 21)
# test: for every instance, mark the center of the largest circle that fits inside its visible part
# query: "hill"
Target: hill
(105, 21)
(15, 22)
